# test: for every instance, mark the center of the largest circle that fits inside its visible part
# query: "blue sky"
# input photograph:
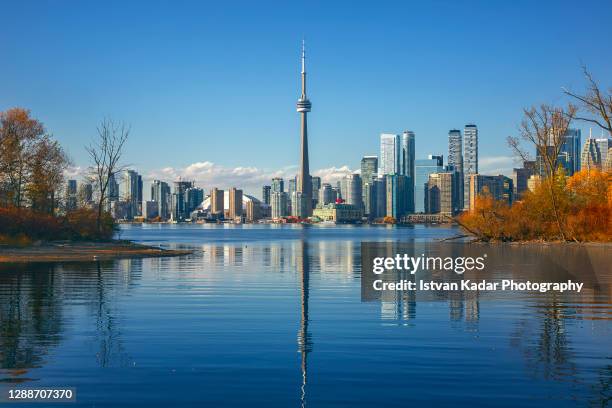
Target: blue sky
(215, 84)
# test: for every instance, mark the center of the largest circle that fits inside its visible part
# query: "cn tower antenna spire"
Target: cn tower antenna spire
(303, 68)
(304, 182)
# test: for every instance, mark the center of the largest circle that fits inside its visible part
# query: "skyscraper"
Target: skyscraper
(389, 154)
(455, 159)
(604, 144)
(279, 204)
(235, 203)
(407, 146)
(217, 198)
(325, 194)
(591, 155)
(396, 185)
(369, 168)
(440, 196)
(423, 168)
(304, 185)
(131, 193)
(569, 157)
(179, 203)
(71, 195)
(316, 186)
(278, 185)
(351, 190)
(160, 193)
(470, 159)
(265, 194)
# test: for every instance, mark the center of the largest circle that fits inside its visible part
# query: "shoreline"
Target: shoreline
(64, 251)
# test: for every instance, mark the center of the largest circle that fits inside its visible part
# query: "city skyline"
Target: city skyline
(179, 79)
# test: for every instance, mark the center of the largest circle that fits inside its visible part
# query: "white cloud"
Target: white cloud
(495, 165)
(332, 174)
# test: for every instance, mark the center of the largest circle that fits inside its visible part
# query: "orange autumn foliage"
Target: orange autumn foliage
(583, 205)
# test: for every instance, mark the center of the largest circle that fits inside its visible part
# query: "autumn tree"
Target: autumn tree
(545, 129)
(105, 153)
(47, 164)
(31, 162)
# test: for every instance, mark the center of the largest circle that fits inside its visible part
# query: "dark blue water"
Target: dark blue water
(273, 316)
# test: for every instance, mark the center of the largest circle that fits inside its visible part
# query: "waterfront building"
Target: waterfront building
(498, 187)
(423, 168)
(569, 154)
(193, 199)
(338, 213)
(591, 156)
(179, 210)
(278, 185)
(265, 194)
(253, 211)
(379, 199)
(316, 186)
(369, 168)
(351, 188)
(235, 203)
(441, 194)
(389, 154)
(160, 193)
(120, 210)
(150, 210)
(299, 205)
(291, 188)
(407, 165)
(71, 195)
(326, 194)
(217, 202)
(304, 184)
(336, 194)
(520, 178)
(279, 201)
(455, 159)
(570, 151)
(112, 193)
(397, 198)
(132, 183)
(470, 158)
(85, 195)
(604, 145)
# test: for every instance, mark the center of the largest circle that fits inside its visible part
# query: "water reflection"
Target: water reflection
(304, 338)
(236, 306)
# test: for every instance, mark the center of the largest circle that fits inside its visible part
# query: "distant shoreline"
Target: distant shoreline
(62, 251)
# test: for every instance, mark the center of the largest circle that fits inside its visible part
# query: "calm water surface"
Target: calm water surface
(275, 316)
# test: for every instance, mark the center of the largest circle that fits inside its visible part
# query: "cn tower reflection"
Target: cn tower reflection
(303, 338)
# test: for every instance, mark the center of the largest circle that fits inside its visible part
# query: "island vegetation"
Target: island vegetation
(34, 215)
(559, 207)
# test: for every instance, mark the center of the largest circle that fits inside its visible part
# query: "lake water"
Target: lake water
(276, 316)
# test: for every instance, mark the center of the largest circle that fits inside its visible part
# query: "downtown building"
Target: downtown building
(397, 158)
(160, 193)
(132, 191)
(568, 156)
(423, 168)
(280, 204)
(455, 160)
(470, 159)
(369, 171)
(441, 194)
(500, 188)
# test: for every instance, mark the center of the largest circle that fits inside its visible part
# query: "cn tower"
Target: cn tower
(304, 183)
